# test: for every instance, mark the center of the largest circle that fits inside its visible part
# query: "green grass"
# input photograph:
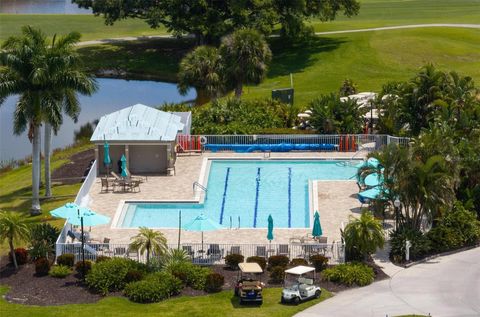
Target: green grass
(16, 190)
(220, 304)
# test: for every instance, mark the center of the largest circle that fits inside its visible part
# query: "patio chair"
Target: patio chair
(136, 177)
(261, 251)
(322, 239)
(134, 184)
(214, 250)
(235, 249)
(283, 250)
(119, 251)
(188, 249)
(105, 187)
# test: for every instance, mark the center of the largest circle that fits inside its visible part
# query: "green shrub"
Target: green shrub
(102, 258)
(66, 259)
(42, 239)
(214, 282)
(298, 261)
(153, 288)
(79, 266)
(420, 244)
(190, 274)
(319, 262)
(278, 260)
(464, 223)
(21, 256)
(60, 271)
(232, 260)
(350, 274)
(42, 266)
(277, 274)
(259, 260)
(110, 275)
(134, 276)
(443, 238)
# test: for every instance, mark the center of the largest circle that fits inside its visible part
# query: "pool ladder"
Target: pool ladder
(197, 184)
(231, 223)
(267, 154)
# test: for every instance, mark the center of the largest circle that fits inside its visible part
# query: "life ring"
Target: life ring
(203, 140)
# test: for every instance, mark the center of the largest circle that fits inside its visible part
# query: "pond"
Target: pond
(112, 95)
(41, 6)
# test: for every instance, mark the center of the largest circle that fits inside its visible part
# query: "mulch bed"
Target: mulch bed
(27, 288)
(73, 171)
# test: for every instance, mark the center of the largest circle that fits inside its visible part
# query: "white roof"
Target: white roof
(299, 270)
(250, 268)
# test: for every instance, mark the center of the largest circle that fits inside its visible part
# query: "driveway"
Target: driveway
(445, 286)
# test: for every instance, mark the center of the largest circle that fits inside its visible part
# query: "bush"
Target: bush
(420, 244)
(153, 288)
(42, 266)
(277, 274)
(111, 275)
(464, 223)
(134, 276)
(259, 260)
(214, 282)
(298, 261)
(102, 258)
(43, 237)
(20, 254)
(319, 262)
(66, 259)
(60, 271)
(278, 260)
(232, 260)
(79, 266)
(190, 274)
(350, 274)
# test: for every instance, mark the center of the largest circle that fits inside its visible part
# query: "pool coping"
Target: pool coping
(203, 180)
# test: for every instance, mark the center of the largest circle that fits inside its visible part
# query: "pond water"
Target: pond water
(41, 6)
(113, 94)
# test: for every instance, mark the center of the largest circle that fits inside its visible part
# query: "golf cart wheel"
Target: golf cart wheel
(296, 301)
(318, 293)
(240, 301)
(282, 300)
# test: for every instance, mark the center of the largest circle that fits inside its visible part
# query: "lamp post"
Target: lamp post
(396, 204)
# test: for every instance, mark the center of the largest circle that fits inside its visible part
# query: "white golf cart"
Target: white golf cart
(299, 285)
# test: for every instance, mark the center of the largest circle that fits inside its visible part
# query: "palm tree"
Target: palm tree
(13, 227)
(246, 55)
(66, 77)
(202, 69)
(150, 241)
(363, 236)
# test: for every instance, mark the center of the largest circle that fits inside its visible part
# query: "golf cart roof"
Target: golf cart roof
(299, 270)
(250, 268)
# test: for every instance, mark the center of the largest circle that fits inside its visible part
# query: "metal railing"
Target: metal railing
(82, 200)
(210, 254)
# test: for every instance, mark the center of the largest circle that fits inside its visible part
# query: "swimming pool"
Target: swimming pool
(242, 193)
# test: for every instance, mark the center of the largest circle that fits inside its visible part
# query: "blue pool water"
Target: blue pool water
(246, 191)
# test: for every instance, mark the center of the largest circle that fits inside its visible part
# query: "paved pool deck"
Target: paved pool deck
(336, 202)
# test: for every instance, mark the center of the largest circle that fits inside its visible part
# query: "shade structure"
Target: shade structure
(202, 223)
(270, 228)
(124, 166)
(372, 193)
(106, 154)
(317, 228)
(373, 179)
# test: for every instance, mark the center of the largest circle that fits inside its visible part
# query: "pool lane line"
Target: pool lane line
(255, 212)
(289, 197)
(224, 195)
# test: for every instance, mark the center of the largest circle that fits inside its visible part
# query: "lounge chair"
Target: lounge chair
(363, 200)
(261, 251)
(283, 250)
(235, 249)
(136, 177)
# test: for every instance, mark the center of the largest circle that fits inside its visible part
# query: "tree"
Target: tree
(363, 236)
(202, 69)
(246, 56)
(150, 241)
(13, 227)
(348, 88)
(210, 20)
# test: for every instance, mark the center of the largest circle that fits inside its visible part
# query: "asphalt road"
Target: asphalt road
(445, 286)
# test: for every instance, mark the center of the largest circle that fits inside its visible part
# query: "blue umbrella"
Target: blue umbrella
(371, 162)
(124, 166)
(372, 193)
(90, 219)
(317, 228)
(202, 223)
(373, 179)
(68, 210)
(270, 228)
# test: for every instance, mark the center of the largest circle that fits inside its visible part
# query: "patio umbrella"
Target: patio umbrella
(106, 156)
(373, 180)
(124, 166)
(372, 193)
(317, 228)
(202, 223)
(270, 229)
(371, 162)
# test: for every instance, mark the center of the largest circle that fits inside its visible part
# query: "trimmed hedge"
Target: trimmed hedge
(278, 260)
(153, 288)
(102, 258)
(79, 266)
(298, 261)
(232, 260)
(349, 274)
(60, 271)
(277, 273)
(319, 262)
(258, 259)
(66, 259)
(214, 282)
(42, 266)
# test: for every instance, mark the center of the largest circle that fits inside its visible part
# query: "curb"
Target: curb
(438, 255)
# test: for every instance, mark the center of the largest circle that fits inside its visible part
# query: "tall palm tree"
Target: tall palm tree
(246, 55)
(202, 69)
(363, 236)
(13, 227)
(67, 79)
(150, 241)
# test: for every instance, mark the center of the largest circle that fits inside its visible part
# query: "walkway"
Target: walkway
(445, 286)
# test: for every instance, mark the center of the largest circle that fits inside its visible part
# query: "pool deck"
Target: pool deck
(336, 202)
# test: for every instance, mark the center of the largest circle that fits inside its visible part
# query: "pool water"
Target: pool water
(243, 193)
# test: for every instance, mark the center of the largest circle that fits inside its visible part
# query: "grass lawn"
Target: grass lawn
(220, 304)
(16, 190)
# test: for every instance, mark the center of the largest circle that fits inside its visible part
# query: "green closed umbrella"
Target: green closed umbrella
(270, 228)
(106, 156)
(317, 228)
(124, 166)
